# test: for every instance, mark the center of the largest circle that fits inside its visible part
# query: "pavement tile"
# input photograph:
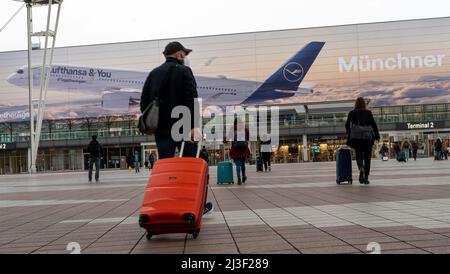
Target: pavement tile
(417, 194)
(330, 250)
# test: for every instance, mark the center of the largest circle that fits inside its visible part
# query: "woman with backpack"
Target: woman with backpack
(362, 132)
(239, 151)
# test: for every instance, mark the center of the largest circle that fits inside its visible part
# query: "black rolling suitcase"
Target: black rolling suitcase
(344, 165)
(259, 164)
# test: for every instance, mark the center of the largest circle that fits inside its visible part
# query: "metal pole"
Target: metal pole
(30, 89)
(12, 17)
(43, 81)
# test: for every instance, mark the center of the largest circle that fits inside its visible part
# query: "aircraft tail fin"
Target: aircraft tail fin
(289, 76)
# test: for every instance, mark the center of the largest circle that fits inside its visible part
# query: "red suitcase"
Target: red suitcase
(175, 196)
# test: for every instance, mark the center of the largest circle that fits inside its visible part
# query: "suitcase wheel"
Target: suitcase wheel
(338, 182)
(189, 218)
(148, 235)
(195, 234)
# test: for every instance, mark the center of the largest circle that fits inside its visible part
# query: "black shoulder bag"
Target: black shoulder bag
(359, 132)
(148, 121)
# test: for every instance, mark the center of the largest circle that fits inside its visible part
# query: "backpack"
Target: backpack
(240, 144)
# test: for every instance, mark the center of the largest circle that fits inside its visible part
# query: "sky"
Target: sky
(85, 22)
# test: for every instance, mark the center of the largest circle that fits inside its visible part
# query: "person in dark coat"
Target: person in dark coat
(438, 149)
(151, 160)
(397, 150)
(363, 148)
(176, 86)
(95, 151)
(415, 147)
(204, 154)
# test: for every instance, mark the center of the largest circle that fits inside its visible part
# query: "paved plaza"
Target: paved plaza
(297, 208)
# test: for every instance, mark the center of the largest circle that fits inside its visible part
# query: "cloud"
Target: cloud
(372, 93)
(430, 78)
(424, 92)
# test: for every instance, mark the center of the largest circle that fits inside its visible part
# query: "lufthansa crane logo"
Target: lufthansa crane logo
(293, 72)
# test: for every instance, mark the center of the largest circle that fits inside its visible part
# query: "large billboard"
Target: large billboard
(391, 63)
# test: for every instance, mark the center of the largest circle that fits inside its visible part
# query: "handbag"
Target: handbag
(360, 132)
(149, 119)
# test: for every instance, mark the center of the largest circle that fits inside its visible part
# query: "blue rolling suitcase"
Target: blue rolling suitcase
(225, 173)
(344, 165)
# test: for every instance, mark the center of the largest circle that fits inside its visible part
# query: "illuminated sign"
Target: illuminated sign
(421, 125)
(5, 146)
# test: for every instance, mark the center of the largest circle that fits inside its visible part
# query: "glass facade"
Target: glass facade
(319, 148)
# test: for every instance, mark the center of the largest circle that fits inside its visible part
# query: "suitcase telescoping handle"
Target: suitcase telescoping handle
(199, 145)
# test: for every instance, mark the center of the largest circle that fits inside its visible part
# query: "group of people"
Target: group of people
(405, 149)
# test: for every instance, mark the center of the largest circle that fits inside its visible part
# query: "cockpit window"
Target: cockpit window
(20, 71)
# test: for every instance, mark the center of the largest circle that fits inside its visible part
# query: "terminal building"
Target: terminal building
(312, 135)
(402, 68)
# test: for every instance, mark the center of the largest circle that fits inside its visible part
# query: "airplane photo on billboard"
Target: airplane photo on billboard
(121, 88)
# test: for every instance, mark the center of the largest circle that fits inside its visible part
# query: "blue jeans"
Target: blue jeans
(92, 161)
(406, 154)
(166, 147)
(240, 164)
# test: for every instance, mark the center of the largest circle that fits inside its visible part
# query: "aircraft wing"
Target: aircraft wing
(120, 99)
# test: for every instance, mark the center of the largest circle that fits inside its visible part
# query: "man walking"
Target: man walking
(95, 151)
(415, 147)
(137, 164)
(174, 85)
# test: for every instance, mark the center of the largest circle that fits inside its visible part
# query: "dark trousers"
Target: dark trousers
(92, 161)
(166, 147)
(266, 159)
(415, 154)
(240, 166)
(363, 157)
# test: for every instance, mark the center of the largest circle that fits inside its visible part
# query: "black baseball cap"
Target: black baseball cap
(175, 46)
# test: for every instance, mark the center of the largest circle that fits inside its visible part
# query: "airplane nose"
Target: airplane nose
(10, 78)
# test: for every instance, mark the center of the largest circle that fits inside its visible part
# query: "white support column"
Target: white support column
(305, 148)
(31, 158)
(37, 112)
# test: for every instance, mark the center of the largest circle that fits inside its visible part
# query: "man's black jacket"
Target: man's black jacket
(181, 90)
(95, 149)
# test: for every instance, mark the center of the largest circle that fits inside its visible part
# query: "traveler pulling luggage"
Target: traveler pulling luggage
(385, 156)
(225, 173)
(344, 165)
(175, 196)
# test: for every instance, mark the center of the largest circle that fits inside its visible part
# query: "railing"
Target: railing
(298, 122)
(70, 135)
